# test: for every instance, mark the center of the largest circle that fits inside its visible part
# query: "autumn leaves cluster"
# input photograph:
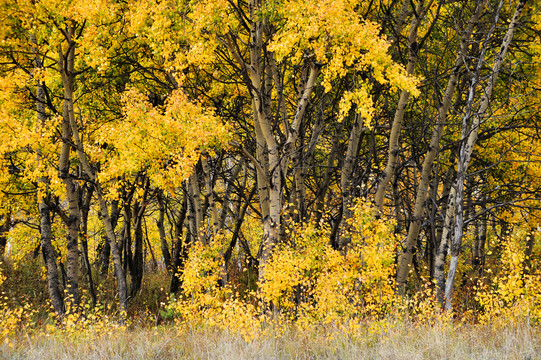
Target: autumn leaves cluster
(326, 161)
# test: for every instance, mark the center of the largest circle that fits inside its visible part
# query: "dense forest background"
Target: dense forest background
(319, 160)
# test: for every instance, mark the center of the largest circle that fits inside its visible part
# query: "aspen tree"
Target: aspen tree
(468, 140)
(422, 190)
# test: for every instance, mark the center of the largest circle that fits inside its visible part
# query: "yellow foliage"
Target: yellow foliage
(86, 323)
(202, 271)
(307, 282)
(306, 277)
(204, 301)
(334, 35)
(11, 318)
(166, 141)
(512, 296)
(24, 241)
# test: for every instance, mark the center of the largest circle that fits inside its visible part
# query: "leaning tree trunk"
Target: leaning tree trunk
(111, 239)
(105, 250)
(469, 139)
(443, 247)
(433, 149)
(394, 144)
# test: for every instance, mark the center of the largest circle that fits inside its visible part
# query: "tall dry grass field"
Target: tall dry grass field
(400, 341)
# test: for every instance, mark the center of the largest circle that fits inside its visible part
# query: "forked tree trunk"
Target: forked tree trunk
(272, 158)
(66, 66)
(269, 179)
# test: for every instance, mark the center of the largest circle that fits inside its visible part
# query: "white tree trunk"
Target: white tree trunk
(469, 139)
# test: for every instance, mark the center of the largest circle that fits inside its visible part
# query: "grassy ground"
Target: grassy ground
(143, 340)
(167, 342)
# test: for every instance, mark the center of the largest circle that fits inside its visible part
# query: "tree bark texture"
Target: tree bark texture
(433, 149)
(469, 139)
(394, 143)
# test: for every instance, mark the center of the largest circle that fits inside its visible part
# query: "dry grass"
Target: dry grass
(403, 342)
